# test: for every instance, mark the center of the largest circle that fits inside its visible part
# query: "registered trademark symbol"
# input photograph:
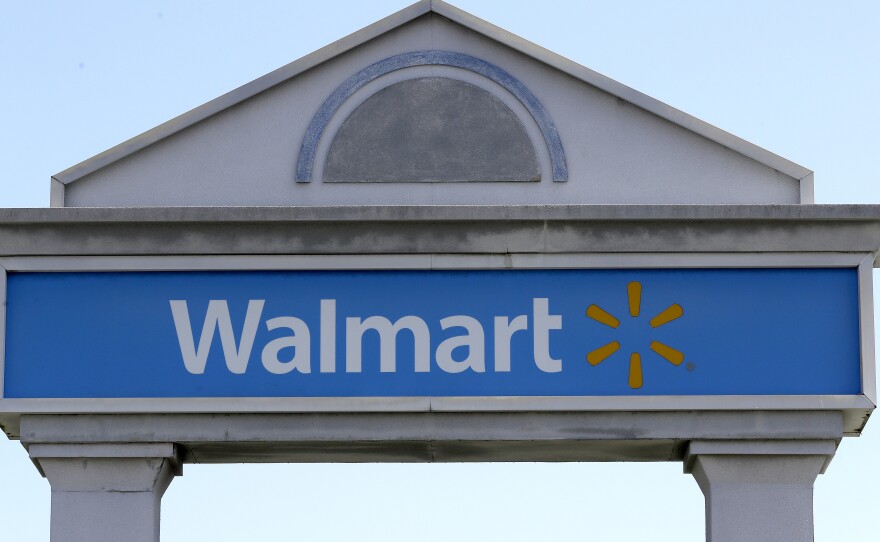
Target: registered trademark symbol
(690, 366)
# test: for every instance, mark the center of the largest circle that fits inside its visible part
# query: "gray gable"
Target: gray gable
(432, 106)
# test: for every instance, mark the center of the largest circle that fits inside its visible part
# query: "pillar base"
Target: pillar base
(758, 491)
(106, 492)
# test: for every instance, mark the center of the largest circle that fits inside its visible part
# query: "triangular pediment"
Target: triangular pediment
(432, 106)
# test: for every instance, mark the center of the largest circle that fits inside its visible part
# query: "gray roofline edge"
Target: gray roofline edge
(450, 213)
(384, 232)
(463, 18)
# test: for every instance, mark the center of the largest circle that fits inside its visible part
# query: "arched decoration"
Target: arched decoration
(343, 92)
(431, 129)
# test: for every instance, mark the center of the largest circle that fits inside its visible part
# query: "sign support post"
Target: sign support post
(106, 492)
(758, 490)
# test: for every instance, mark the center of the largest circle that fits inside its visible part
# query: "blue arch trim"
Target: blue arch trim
(430, 58)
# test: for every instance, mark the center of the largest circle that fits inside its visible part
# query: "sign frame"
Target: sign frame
(855, 407)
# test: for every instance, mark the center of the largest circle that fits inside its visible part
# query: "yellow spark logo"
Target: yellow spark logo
(634, 295)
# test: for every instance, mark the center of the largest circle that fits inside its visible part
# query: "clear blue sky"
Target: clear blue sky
(801, 79)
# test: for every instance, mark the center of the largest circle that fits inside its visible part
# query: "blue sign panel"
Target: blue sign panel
(587, 332)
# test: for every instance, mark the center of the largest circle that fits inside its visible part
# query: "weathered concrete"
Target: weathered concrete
(758, 491)
(446, 213)
(434, 230)
(432, 129)
(108, 472)
(432, 436)
(106, 492)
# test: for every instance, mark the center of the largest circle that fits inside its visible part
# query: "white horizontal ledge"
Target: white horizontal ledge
(230, 405)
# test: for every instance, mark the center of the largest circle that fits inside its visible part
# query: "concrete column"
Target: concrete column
(758, 491)
(106, 492)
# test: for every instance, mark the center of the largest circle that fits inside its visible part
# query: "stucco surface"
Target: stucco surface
(431, 129)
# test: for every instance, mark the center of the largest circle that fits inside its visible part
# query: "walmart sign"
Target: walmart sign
(433, 333)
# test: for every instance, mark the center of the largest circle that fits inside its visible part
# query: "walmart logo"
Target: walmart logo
(634, 294)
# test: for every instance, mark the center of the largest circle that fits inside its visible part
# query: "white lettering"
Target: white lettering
(300, 341)
(544, 322)
(355, 328)
(328, 335)
(504, 330)
(474, 341)
(217, 315)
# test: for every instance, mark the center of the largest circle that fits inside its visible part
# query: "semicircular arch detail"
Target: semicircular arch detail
(318, 124)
